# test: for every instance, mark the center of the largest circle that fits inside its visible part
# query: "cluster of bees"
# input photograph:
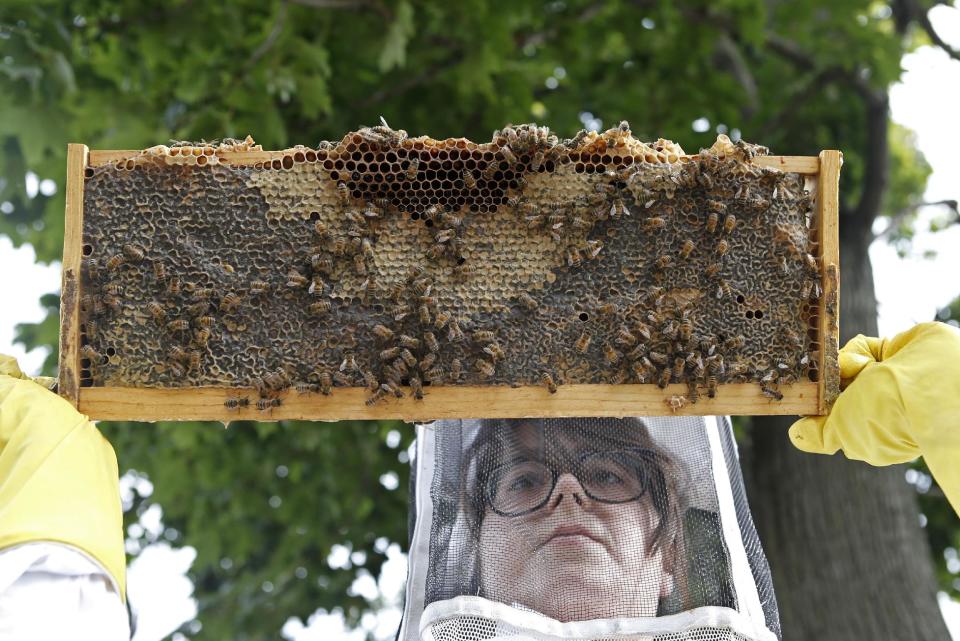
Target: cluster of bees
(660, 223)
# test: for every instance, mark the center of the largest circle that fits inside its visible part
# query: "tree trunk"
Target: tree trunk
(848, 556)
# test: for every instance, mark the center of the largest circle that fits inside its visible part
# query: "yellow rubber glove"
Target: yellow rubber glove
(58, 475)
(901, 401)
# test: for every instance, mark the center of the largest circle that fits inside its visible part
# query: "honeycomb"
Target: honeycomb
(395, 263)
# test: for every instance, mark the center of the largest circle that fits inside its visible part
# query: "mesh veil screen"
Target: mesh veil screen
(584, 529)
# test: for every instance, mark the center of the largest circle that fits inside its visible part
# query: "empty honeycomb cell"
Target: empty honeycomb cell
(542, 244)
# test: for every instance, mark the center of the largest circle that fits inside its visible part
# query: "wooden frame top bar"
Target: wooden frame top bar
(799, 164)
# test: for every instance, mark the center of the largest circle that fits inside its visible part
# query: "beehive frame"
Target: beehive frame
(207, 403)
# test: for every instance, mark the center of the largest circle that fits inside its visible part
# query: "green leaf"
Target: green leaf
(394, 53)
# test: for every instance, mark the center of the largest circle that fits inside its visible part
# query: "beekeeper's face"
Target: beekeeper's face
(566, 529)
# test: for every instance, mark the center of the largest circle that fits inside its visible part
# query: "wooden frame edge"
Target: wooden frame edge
(828, 203)
(207, 403)
(799, 164)
(68, 383)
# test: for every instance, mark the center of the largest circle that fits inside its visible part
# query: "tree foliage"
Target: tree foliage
(125, 74)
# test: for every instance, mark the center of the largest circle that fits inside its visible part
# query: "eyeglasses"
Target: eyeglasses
(525, 486)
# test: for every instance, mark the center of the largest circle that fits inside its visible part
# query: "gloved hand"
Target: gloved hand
(901, 401)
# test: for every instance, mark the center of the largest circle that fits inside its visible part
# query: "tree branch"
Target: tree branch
(271, 38)
(730, 53)
(922, 17)
(897, 218)
(414, 81)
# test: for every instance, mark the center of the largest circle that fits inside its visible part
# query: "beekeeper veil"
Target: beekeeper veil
(583, 528)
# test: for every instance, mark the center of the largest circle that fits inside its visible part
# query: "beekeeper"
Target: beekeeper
(62, 561)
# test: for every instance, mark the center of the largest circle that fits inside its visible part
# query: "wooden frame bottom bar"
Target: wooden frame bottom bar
(207, 403)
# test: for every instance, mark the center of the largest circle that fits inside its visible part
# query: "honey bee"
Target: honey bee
(441, 320)
(723, 289)
(692, 392)
(495, 352)
(490, 171)
(177, 353)
(92, 328)
(343, 193)
(159, 272)
(416, 387)
(611, 355)
(430, 214)
(618, 209)
(456, 368)
(202, 336)
(656, 223)
(422, 286)
(320, 307)
(375, 210)
(267, 404)
(379, 395)
(772, 393)
(349, 363)
(428, 361)
(296, 279)
(527, 300)
(178, 325)
(573, 257)
(134, 253)
(156, 311)
(435, 374)
(359, 264)
(454, 333)
(389, 354)
(193, 359)
(583, 343)
(608, 309)
(712, 270)
(340, 246)
(234, 403)
(306, 388)
(734, 342)
(113, 263)
(687, 248)
(624, 337)
(259, 287)
(547, 381)
(370, 380)
(382, 332)
(716, 205)
(88, 352)
(658, 358)
(408, 357)
(729, 223)
(464, 270)
(326, 383)
(723, 247)
(537, 161)
(469, 179)
(341, 379)
(812, 264)
(679, 364)
(663, 262)
(737, 369)
(176, 370)
(321, 229)
(712, 221)
(409, 341)
(640, 372)
(484, 336)
(508, 155)
(173, 286)
(229, 301)
(485, 367)
(412, 168)
(664, 378)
